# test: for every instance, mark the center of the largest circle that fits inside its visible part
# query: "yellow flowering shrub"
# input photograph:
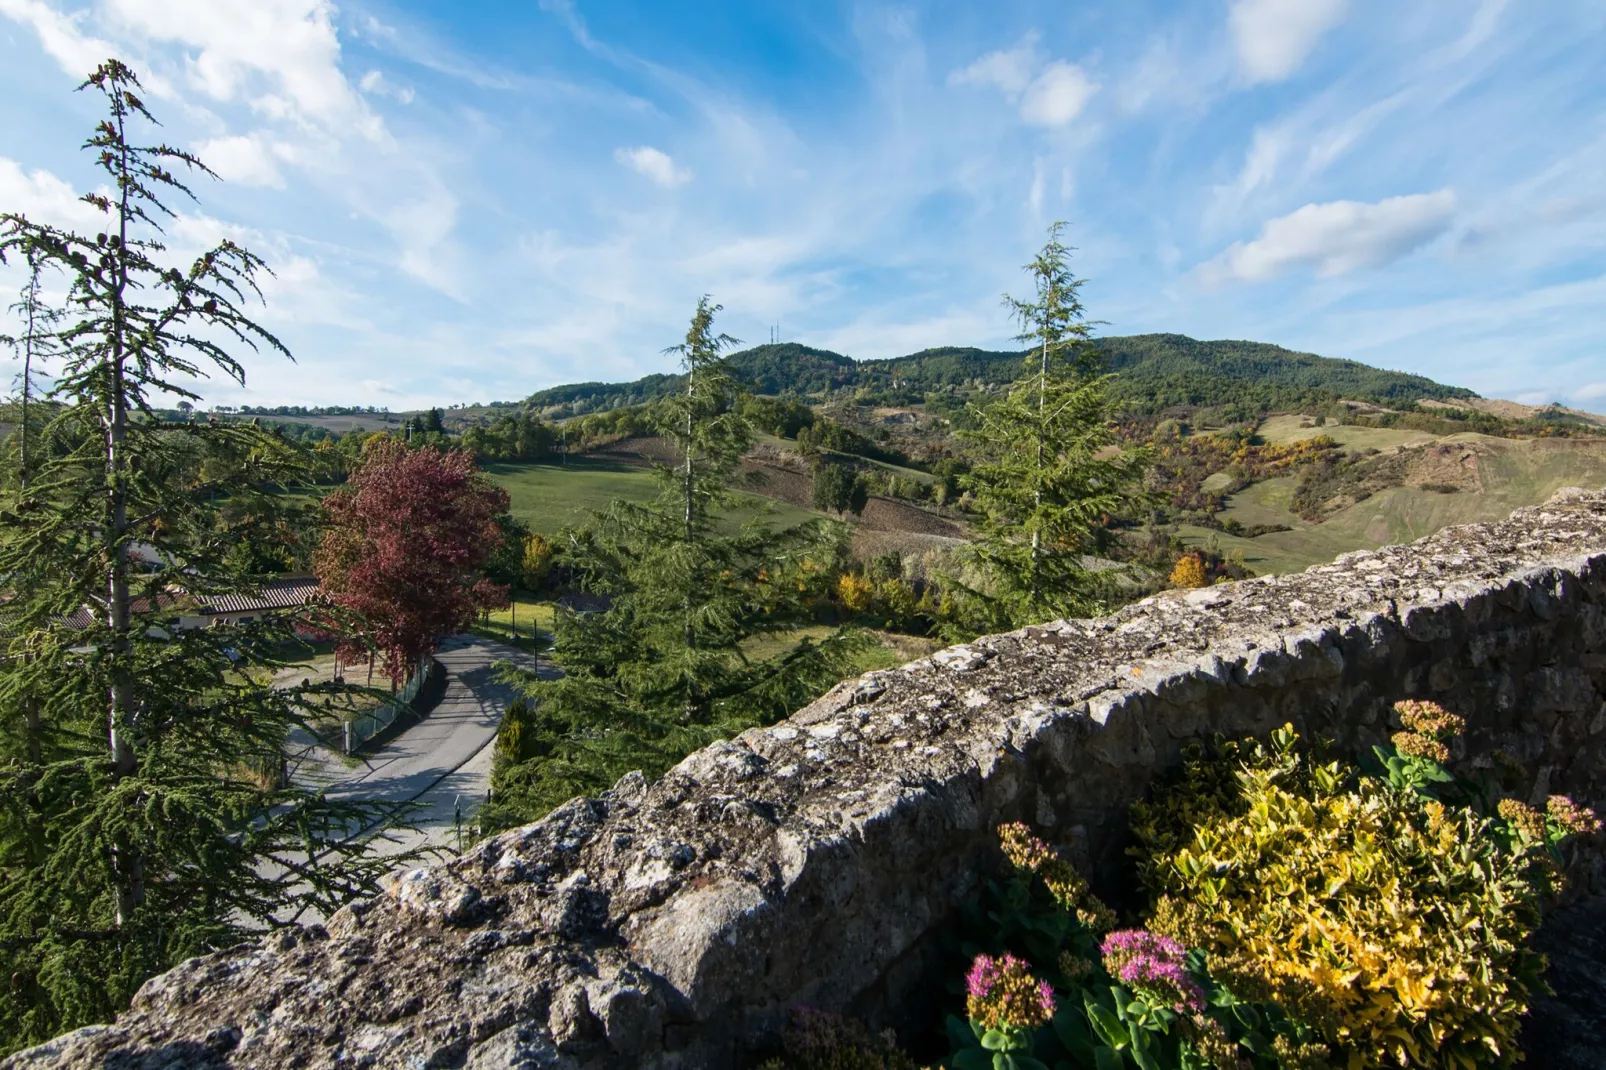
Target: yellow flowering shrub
(1396, 926)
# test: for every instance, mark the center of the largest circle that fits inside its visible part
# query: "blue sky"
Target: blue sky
(470, 201)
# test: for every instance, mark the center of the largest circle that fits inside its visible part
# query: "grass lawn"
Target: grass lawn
(526, 613)
(551, 497)
(1282, 429)
(888, 651)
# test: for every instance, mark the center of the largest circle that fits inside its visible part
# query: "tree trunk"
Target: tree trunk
(688, 483)
(127, 867)
(31, 306)
(1037, 476)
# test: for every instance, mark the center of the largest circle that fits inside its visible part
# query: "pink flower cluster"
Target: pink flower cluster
(1003, 994)
(1152, 963)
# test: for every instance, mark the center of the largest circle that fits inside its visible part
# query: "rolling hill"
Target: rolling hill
(1156, 371)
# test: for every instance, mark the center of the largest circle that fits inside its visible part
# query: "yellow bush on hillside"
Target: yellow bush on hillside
(854, 591)
(1190, 572)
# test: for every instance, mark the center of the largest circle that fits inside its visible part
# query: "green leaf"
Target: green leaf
(994, 1040)
(1070, 1026)
(971, 1059)
(1108, 1059)
(961, 1034)
(1107, 1025)
(1143, 1052)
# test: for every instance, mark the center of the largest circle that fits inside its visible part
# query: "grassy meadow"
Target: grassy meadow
(1512, 472)
(551, 497)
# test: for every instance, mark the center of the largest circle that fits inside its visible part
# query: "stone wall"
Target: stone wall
(670, 924)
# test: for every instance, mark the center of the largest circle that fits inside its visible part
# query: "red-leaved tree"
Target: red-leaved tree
(405, 548)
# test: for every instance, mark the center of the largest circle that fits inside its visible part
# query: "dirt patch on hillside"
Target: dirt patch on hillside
(921, 553)
(642, 450)
(782, 484)
(1445, 465)
(889, 514)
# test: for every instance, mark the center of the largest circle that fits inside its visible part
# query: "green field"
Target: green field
(1278, 430)
(889, 650)
(1514, 473)
(550, 497)
(525, 614)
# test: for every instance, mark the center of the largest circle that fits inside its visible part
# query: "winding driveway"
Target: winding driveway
(442, 763)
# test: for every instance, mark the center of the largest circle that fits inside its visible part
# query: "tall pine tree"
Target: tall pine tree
(143, 812)
(35, 346)
(663, 670)
(1050, 474)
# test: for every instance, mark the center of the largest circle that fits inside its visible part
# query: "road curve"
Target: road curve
(443, 761)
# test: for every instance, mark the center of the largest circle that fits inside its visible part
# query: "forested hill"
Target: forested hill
(1155, 371)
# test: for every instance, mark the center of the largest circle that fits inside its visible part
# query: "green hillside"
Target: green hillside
(1156, 371)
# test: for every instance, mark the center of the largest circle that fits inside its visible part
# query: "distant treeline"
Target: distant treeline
(303, 410)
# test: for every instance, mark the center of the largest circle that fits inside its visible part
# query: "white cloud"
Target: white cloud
(290, 44)
(1053, 97)
(44, 198)
(1009, 70)
(656, 165)
(60, 35)
(1057, 96)
(281, 56)
(1336, 237)
(244, 159)
(374, 83)
(1273, 37)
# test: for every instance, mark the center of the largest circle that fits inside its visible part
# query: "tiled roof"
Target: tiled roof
(275, 594)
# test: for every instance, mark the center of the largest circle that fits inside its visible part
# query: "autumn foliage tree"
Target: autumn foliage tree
(406, 545)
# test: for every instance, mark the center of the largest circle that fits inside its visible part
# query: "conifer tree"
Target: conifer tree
(35, 346)
(662, 670)
(144, 815)
(1049, 475)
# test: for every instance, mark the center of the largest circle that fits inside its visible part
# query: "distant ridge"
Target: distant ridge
(1155, 371)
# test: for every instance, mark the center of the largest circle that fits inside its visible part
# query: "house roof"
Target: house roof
(275, 594)
(282, 593)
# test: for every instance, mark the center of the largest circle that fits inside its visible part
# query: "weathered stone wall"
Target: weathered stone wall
(669, 924)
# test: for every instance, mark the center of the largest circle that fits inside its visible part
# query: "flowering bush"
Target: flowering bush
(1154, 965)
(1393, 925)
(1306, 917)
(1096, 998)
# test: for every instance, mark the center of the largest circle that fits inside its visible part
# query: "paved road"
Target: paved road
(441, 761)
